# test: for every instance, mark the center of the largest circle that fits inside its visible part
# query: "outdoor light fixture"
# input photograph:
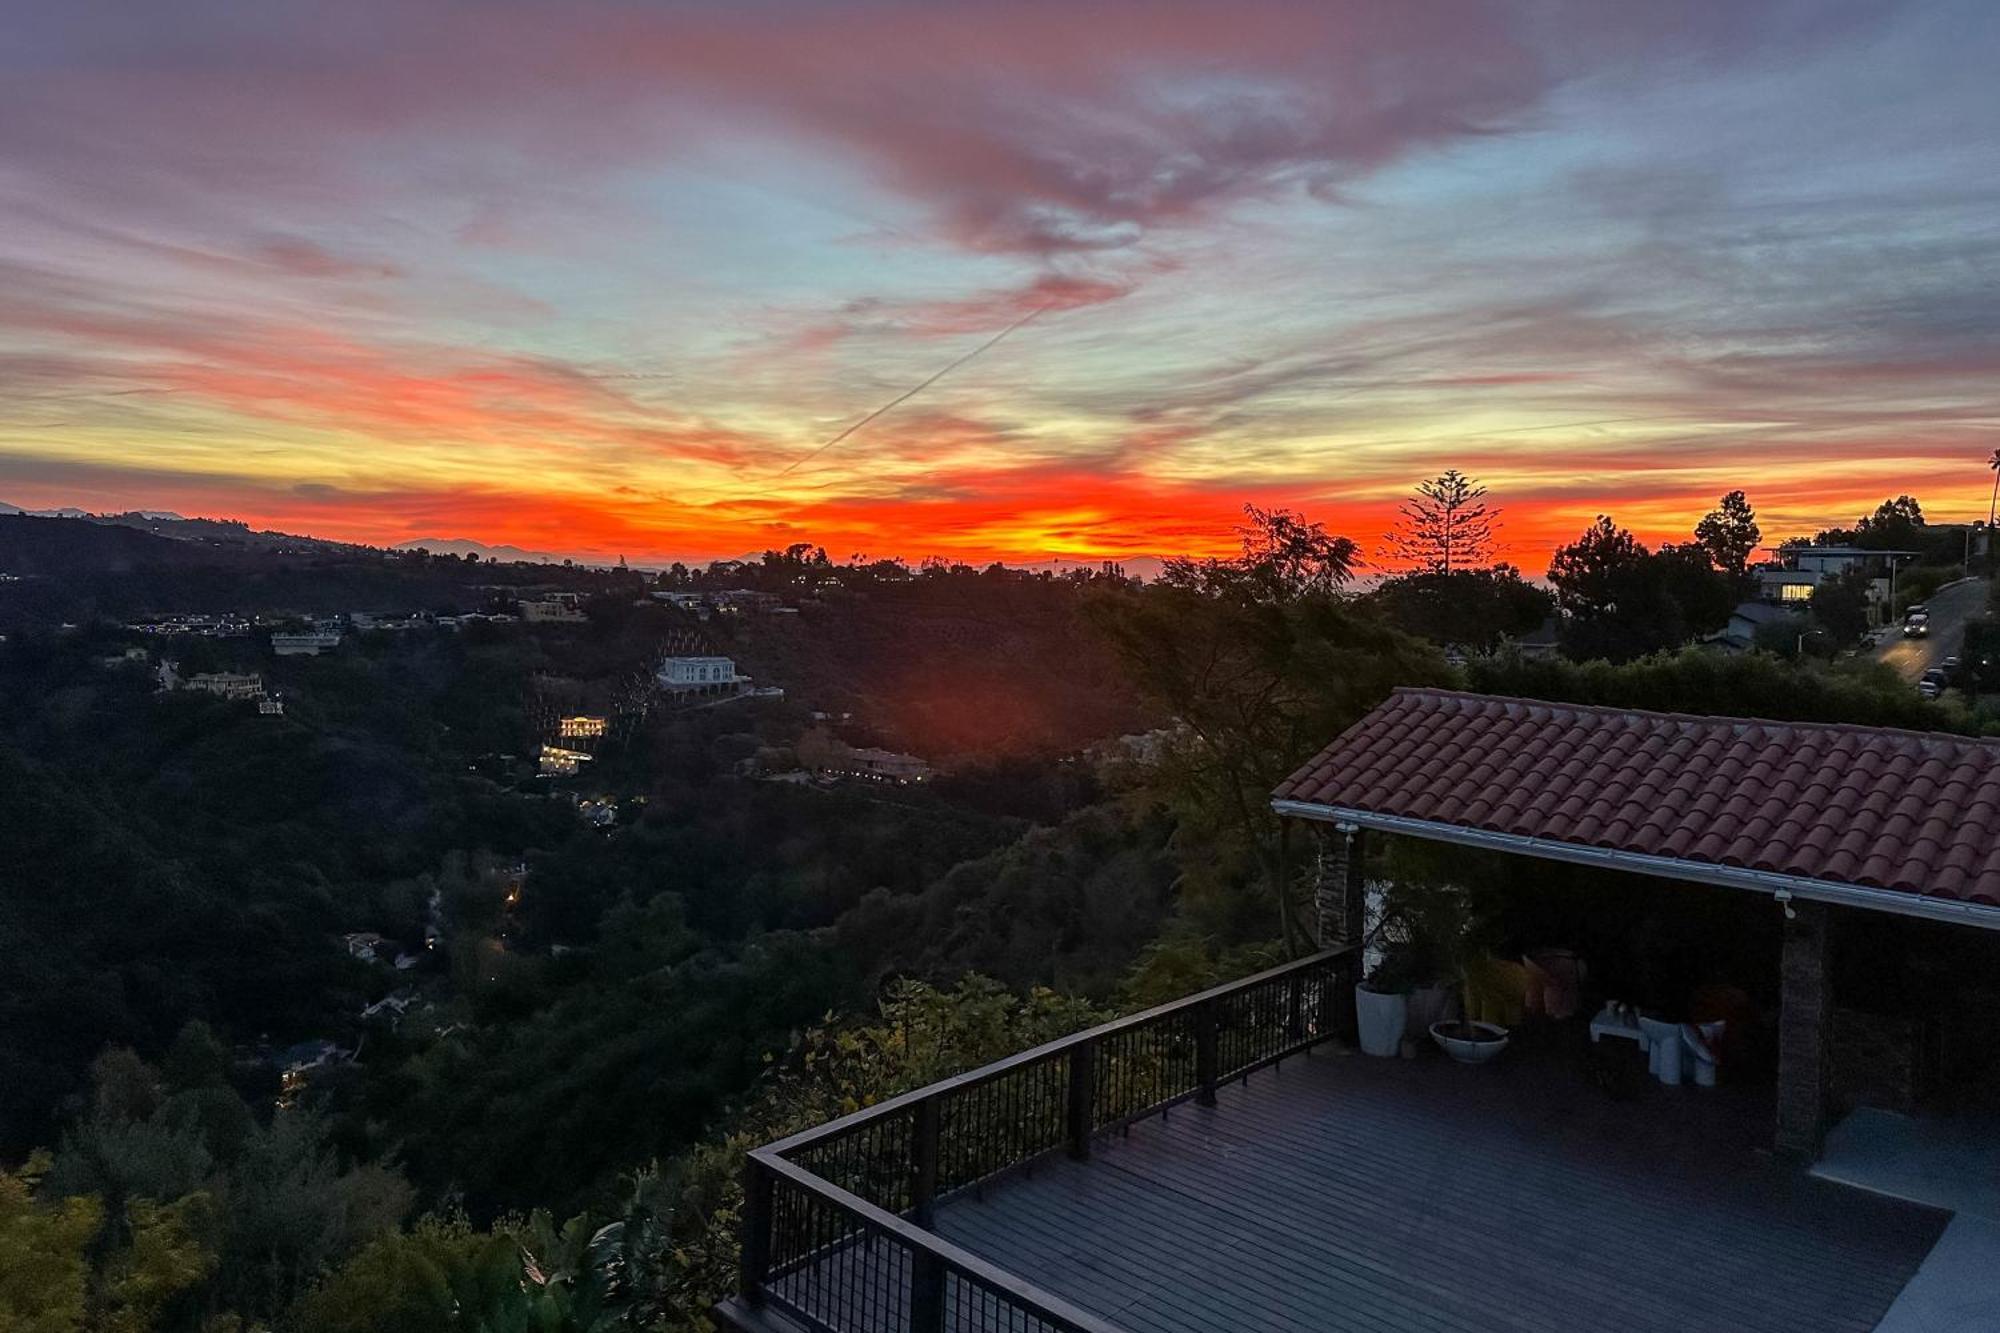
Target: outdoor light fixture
(1783, 898)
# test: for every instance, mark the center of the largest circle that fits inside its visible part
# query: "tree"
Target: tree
(197, 1059)
(67, 1264)
(1254, 686)
(1284, 555)
(1593, 571)
(1840, 605)
(44, 1263)
(1624, 601)
(1446, 526)
(1471, 607)
(1896, 525)
(1729, 533)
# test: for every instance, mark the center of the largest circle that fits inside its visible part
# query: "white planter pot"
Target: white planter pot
(1492, 1040)
(1380, 1019)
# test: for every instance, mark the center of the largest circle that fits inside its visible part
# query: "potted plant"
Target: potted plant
(1443, 937)
(1382, 1003)
(1424, 923)
(1469, 1042)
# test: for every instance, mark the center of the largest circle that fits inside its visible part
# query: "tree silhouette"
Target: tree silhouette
(1623, 601)
(1896, 524)
(1729, 533)
(1285, 555)
(1447, 525)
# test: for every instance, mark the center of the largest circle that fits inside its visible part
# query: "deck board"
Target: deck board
(1342, 1193)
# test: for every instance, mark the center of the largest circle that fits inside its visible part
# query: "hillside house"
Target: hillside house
(1749, 618)
(560, 761)
(308, 643)
(699, 675)
(555, 609)
(226, 684)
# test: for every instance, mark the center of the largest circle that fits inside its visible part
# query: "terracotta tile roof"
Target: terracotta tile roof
(1912, 811)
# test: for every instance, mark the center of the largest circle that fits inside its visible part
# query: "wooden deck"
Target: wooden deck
(1340, 1192)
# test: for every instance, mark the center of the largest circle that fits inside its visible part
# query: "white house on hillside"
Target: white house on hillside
(691, 675)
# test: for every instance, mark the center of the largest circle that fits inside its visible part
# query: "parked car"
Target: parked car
(1929, 689)
(1950, 664)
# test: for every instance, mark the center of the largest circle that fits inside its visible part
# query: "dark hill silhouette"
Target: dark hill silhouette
(59, 547)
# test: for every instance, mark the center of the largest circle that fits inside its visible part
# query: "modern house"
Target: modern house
(1796, 572)
(561, 761)
(1227, 1162)
(744, 601)
(582, 727)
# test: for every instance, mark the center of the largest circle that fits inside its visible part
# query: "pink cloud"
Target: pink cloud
(1022, 127)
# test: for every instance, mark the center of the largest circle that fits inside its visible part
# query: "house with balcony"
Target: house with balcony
(1795, 572)
(562, 608)
(699, 674)
(1231, 1161)
(226, 684)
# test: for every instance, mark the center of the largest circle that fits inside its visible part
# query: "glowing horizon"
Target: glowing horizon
(595, 280)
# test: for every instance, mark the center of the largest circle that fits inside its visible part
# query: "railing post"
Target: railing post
(1204, 1053)
(1346, 976)
(755, 1263)
(1082, 1092)
(924, 1162)
(1325, 1013)
(926, 1292)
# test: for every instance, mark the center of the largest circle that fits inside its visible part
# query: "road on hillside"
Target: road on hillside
(1950, 608)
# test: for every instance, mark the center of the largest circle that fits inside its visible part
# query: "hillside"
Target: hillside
(989, 665)
(63, 547)
(74, 569)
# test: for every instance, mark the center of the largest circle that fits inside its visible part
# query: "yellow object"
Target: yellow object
(1496, 991)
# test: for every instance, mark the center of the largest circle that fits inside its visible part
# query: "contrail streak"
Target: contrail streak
(905, 397)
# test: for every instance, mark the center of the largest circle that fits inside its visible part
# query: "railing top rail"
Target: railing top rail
(1029, 1298)
(986, 1073)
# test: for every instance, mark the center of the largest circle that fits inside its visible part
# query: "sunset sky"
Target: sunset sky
(599, 278)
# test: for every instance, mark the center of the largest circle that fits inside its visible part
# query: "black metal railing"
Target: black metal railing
(836, 1218)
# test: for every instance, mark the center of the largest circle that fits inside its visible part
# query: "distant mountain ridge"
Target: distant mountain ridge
(462, 546)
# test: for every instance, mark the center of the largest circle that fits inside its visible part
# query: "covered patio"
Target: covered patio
(1835, 826)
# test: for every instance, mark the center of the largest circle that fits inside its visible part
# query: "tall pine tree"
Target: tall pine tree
(1447, 526)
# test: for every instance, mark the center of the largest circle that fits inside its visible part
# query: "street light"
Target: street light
(1994, 464)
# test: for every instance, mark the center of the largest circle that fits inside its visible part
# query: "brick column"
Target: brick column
(1805, 1027)
(1338, 880)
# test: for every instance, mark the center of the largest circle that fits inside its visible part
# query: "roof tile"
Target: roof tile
(1913, 811)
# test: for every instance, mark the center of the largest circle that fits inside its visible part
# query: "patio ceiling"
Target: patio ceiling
(1896, 821)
